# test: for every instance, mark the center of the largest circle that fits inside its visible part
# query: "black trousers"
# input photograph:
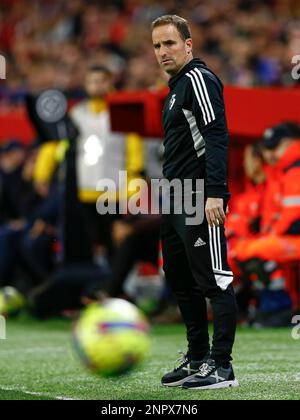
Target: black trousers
(196, 268)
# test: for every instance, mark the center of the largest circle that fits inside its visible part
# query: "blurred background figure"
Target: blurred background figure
(102, 154)
(249, 43)
(99, 154)
(245, 209)
(243, 222)
(278, 236)
(25, 234)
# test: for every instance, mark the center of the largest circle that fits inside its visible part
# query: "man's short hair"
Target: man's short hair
(181, 24)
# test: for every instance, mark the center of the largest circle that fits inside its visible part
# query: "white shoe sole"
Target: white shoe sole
(181, 382)
(225, 384)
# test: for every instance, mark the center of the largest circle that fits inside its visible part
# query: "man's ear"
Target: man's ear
(189, 45)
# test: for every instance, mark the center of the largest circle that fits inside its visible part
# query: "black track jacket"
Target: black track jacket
(196, 134)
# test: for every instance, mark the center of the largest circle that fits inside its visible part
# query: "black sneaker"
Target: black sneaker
(211, 376)
(186, 370)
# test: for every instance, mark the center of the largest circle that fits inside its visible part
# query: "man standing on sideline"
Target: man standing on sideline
(195, 256)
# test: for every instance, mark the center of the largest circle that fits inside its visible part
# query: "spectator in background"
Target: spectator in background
(248, 43)
(279, 239)
(244, 219)
(245, 211)
(12, 158)
(20, 217)
(102, 154)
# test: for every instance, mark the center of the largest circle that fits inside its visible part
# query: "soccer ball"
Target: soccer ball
(111, 338)
(11, 301)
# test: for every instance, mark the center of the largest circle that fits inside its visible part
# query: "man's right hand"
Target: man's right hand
(214, 211)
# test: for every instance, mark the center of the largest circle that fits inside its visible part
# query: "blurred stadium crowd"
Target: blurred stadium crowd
(54, 246)
(51, 43)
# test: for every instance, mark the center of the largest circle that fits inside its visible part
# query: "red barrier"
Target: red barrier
(137, 112)
(249, 112)
(15, 124)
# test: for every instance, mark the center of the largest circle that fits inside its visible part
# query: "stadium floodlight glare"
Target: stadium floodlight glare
(93, 150)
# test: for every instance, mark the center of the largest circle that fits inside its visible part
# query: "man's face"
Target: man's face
(272, 156)
(269, 156)
(97, 84)
(252, 164)
(171, 51)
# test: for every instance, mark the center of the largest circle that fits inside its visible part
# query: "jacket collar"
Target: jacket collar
(189, 66)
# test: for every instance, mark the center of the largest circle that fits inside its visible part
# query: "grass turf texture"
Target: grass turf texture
(37, 362)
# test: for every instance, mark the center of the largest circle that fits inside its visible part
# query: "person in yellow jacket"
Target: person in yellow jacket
(101, 154)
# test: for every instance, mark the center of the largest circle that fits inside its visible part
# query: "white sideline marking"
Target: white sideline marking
(37, 394)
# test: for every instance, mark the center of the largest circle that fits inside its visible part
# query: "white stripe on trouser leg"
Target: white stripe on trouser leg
(223, 281)
(225, 273)
(223, 278)
(216, 248)
(211, 248)
(219, 248)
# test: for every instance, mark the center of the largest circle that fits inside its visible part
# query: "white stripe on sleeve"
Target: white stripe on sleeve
(202, 95)
(206, 94)
(198, 97)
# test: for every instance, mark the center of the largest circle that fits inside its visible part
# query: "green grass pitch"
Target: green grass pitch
(37, 362)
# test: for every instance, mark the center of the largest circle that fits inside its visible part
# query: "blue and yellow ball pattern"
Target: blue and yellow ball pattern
(111, 338)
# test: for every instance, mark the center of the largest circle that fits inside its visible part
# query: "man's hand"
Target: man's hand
(214, 211)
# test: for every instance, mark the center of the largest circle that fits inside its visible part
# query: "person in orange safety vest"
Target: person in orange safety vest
(244, 218)
(245, 210)
(279, 239)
